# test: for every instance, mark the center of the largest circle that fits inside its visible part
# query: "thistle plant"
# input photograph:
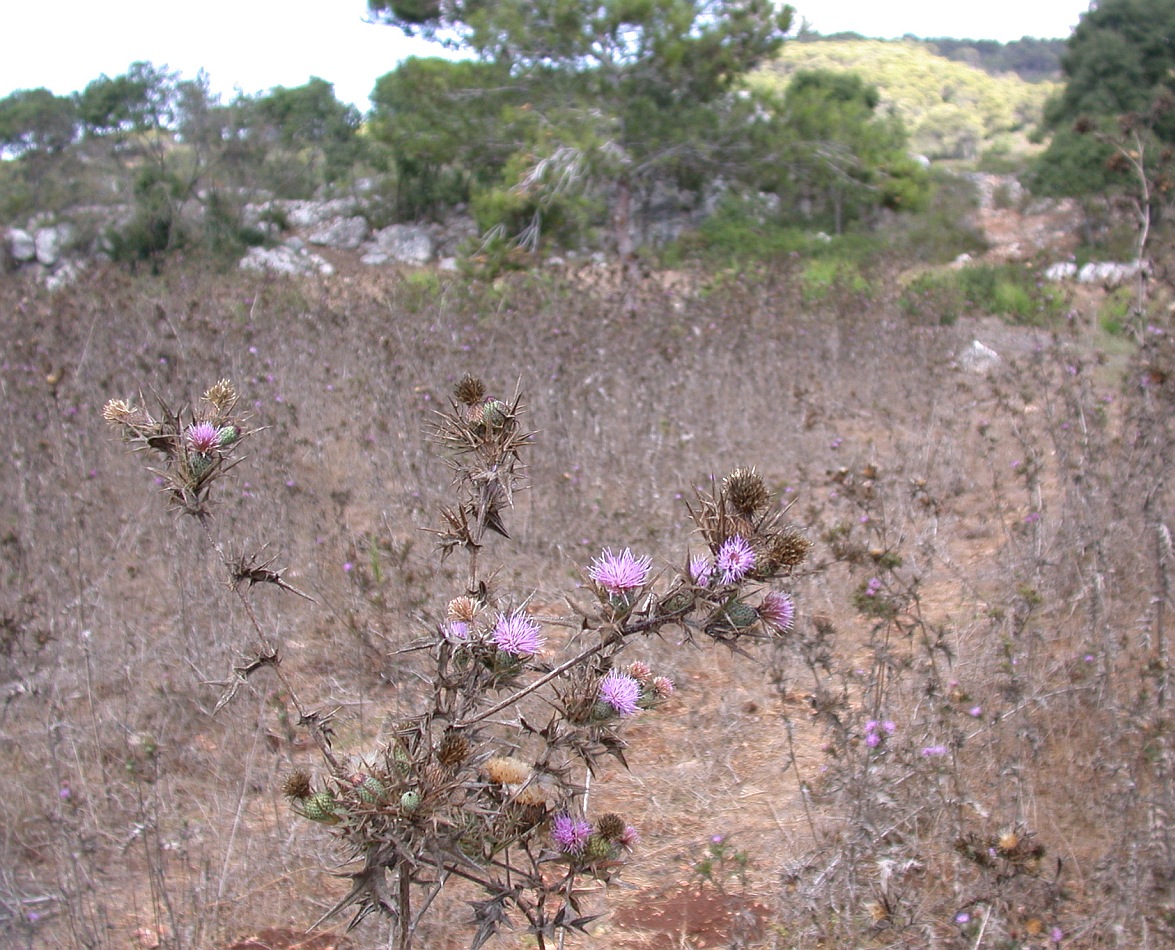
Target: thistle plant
(487, 784)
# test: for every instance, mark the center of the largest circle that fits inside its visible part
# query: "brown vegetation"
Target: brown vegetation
(966, 740)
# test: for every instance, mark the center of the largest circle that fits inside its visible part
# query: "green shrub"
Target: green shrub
(1010, 291)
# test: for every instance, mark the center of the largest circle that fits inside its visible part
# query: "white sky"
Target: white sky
(254, 46)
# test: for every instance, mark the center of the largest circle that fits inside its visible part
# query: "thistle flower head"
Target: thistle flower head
(662, 687)
(203, 437)
(610, 826)
(619, 573)
(462, 608)
(621, 692)
(640, 671)
(222, 397)
(778, 611)
(518, 635)
(570, 834)
(746, 492)
(735, 559)
(117, 411)
(700, 570)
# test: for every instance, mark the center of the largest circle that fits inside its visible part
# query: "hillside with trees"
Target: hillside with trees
(950, 109)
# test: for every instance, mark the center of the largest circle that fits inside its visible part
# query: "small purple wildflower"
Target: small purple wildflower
(889, 727)
(700, 569)
(458, 629)
(778, 610)
(735, 559)
(348, 567)
(631, 837)
(962, 917)
(1056, 935)
(570, 834)
(933, 750)
(203, 437)
(621, 692)
(618, 573)
(873, 587)
(518, 635)
(975, 711)
(872, 739)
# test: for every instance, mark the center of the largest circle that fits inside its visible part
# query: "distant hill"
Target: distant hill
(1033, 60)
(951, 108)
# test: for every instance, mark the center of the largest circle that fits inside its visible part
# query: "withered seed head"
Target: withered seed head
(470, 390)
(506, 770)
(453, 751)
(222, 397)
(746, 492)
(297, 785)
(610, 826)
(462, 608)
(789, 549)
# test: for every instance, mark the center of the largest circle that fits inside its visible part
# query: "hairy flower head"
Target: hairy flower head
(621, 692)
(735, 559)
(619, 573)
(203, 437)
(570, 834)
(778, 611)
(700, 569)
(518, 635)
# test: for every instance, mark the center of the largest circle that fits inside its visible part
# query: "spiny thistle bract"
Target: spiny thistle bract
(486, 781)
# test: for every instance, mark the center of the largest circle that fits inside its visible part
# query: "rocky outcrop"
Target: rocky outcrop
(287, 260)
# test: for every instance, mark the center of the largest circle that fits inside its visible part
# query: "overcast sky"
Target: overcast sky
(254, 46)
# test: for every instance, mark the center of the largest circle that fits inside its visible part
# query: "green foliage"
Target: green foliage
(949, 108)
(155, 228)
(310, 117)
(637, 90)
(140, 100)
(35, 120)
(1119, 60)
(1033, 60)
(1011, 291)
(823, 276)
(1077, 164)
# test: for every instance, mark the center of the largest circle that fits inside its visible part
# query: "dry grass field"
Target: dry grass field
(965, 741)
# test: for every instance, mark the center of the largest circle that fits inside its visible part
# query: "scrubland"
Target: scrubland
(963, 742)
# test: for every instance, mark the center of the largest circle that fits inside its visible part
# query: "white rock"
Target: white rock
(1062, 270)
(978, 358)
(21, 245)
(405, 244)
(49, 242)
(285, 260)
(1109, 274)
(343, 233)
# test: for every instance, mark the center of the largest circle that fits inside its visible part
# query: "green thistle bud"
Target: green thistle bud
(199, 464)
(227, 436)
(598, 849)
(495, 413)
(732, 619)
(370, 789)
(410, 801)
(321, 807)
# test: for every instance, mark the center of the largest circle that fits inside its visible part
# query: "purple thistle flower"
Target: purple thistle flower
(621, 692)
(700, 570)
(975, 711)
(1056, 935)
(889, 727)
(518, 635)
(778, 610)
(735, 559)
(872, 739)
(570, 834)
(203, 437)
(458, 629)
(631, 837)
(618, 573)
(962, 917)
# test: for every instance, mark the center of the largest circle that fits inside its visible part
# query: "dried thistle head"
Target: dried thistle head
(787, 550)
(611, 826)
(469, 391)
(297, 785)
(464, 609)
(222, 398)
(454, 750)
(506, 770)
(745, 492)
